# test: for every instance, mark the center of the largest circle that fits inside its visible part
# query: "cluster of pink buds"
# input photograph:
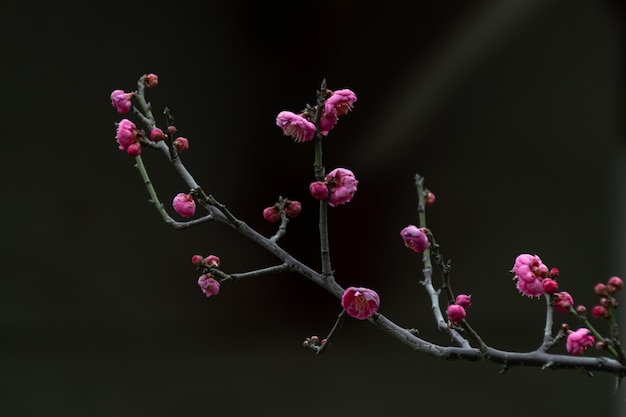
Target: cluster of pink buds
(302, 129)
(456, 311)
(184, 204)
(360, 303)
(607, 300)
(207, 282)
(127, 137)
(533, 276)
(314, 342)
(338, 187)
(292, 209)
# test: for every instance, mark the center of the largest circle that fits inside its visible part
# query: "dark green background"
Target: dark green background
(513, 111)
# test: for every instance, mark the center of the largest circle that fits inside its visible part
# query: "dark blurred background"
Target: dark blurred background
(513, 111)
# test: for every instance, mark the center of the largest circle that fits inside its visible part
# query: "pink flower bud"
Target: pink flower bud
(212, 261)
(414, 238)
(134, 149)
(581, 309)
(271, 214)
(599, 312)
(319, 190)
(181, 144)
(464, 300)
(600, 289)
(550, 286)
(579, 341)
(157, 134)
(184, 205)
(342, 185)
(171, 129)
(360, 303)
(196, 260)
(456, 313)
(292, 208)
(562, 301)
(554, 273)
(209, 285)
(614, 284)
(150, 80)
(121, 101)
(296, 126)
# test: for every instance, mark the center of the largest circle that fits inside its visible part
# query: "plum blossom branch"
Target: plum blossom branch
(338, 187)
(251, 274)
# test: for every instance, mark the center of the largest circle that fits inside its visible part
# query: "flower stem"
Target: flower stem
(340, 318)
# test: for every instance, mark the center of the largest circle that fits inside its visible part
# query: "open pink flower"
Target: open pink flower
(414, 238)
(209, 285)
(340, 102)
(121, 101)
(296, 126)
(360, 303)
(184, 205)
(530, 272)
(579, 341)
(342, 186)
(562, 301)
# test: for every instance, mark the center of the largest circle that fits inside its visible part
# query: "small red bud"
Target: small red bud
(429, 200)
(599, 312)
(614, 284)
(271, 214)
(292, 208)
(196, 260)
(600, 289)
(581, 309)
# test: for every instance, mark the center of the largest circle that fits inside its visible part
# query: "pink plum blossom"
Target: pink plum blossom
(342, 186)
(296, 126)
(530, 272)
(456, 313)
(327, 122)
(209, 285)
(121, 101)
(414, 238)
(579, 341)
(340, 102)
(212, 260)
(184, 205)
(562, 301)
(360, 303)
